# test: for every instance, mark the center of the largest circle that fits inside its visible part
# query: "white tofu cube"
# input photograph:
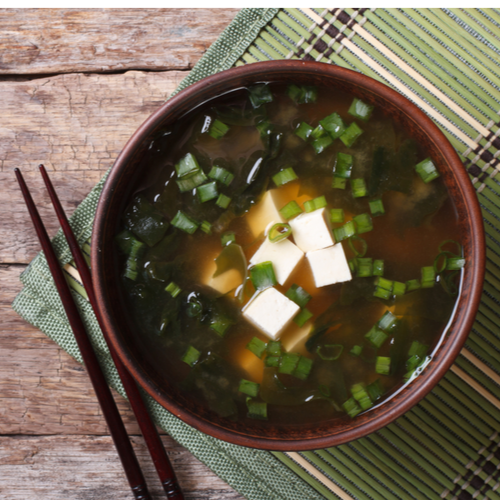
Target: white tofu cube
(271, 312)
(265, 212)
(329, 265)
(284, 255)
(311, 231)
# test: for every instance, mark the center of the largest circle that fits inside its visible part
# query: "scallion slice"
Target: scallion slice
(363, 222)
(260, 94)
(263, 276)
(272, 361)
(227, 238)
(360, 394)
(427, 170)
(315, 204)
(364, 267)
(288, 363)
(319, 145)
(358, 187)
(184, 222)
(376, 207)
(338, 183)
(191, 356)
(173, 289)
(353, 264)
(428, 277)
(303, 316)
(280, 231)
(387, 322)
(455, 263)
(343, 166)
(304, 131)
(375, 390)
(221, 175)
(383, 365)
(345, 231)
(351, 407)
(191, 181)
(256, 409)
(218, 129)
(360, 109)
(187, 165)
(207, 192)
(220, 324)
(398, 288)
(330, 352)
(290, 210)
(351, 134)
(223, 201)
(265, 128)
(274, 348)
(378, 267)
(318, 133)
(356, 350)
(257, 346)
(418, 349)
(298, 295)
(412, 285)
(249, 388)
(337, 215)
(206, 227)
(376, 337)
(355, 242)
(334, 125)
(302, 94)
(383, 288)
(285, 176)
(303, 368)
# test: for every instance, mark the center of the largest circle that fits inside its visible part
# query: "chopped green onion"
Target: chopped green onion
(378, 267)
(206, 227)
(191, 181)
(191, 356)
(315, 204)
(345, 231)
(221, 174)
(256, 409)
(304, 131)
(279, 232)
(337, 215)
(184, 222)
(360, 109)
(359, 393)
(257, 346)
(427, 170)
(355, 240)
(318, 133)
(220, 324)
(428, 277)
(207, 192)
(358, 187)
(187, 165)
(303, 316)
(376, 207)
(173, 289)
(288, 363)
(412, 285)
(356, 350)
(249, 388)
(298, 295)
(351, 134)
(302, 94)
(383, 288)
(290, 210)
(339, 183)
(263, 276)
(218, 129)
(274, 348)
(330, 352)
(223, 201)
(383, 365)
(455, 263)
(375, 390)
(364, 267)
(260, 94)
(285, 176)
(418, 349)
(387, 322)
(376, 337)
(413, 362)
(228, 238)
(364, 223)
(265, 128)
(351, 407)
(303, 368)
(343, 166)
(440, 262)
(353, 265)
(334, 125)
(319, 145)
(398, 288)
(272, 361)
(131, 269)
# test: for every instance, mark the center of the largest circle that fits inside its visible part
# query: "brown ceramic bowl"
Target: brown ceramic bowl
(123, 179)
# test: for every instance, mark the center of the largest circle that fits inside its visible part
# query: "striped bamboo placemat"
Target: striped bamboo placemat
(447, 61)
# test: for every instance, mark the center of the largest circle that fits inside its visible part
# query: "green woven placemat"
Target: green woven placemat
(447, 61)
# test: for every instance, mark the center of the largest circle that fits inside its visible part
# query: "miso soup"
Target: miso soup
(291, 255)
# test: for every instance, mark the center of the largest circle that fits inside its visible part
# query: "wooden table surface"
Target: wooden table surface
(74, 85)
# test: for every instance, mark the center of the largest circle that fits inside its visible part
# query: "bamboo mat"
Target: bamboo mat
(447, 61)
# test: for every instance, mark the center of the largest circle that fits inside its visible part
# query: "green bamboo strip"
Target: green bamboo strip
(285, 40)
(286, 30)
(443, 432)
(490, 223)
(340, 478)
(276, 47)
(493, 188)
(349, 468)
(304, 20)
(492, 279)
(257, 54)
(466, 18)
(485, 19)
(492, 291)
(479, 377)
(295, 31)
(488, 307)
(490, 326)
(480, 348)
(390, 466)
(484, 22)
(481, 366)
(292, 465)
(268, 50)
(490, 205)
(248, 58)
(273, 34)
(427, 484)
(408, 445)
(482, 336)
(416, 62)
(491, 255)
(367, 465)
(492, 14)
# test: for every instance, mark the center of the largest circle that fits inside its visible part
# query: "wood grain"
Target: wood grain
(40, 41)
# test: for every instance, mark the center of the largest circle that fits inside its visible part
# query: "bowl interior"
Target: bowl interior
(137, 354)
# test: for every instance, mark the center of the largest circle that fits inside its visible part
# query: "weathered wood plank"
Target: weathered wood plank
(41, 41)
(75, 125)
(89, 469)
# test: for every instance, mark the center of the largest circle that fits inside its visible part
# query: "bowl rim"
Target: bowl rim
(424, 383)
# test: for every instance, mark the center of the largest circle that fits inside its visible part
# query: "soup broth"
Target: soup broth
(365, 280)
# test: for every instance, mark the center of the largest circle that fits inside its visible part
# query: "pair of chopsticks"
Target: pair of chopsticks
(104, 396)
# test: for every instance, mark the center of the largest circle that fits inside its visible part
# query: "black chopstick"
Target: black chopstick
(148, 429)
(103, 393)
